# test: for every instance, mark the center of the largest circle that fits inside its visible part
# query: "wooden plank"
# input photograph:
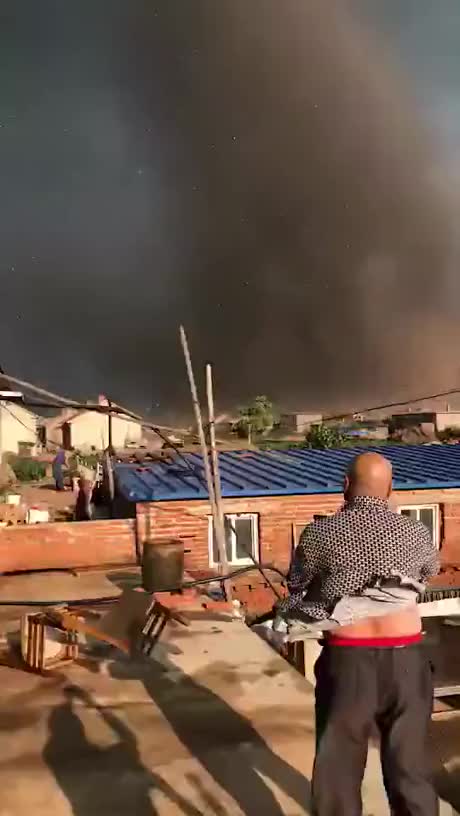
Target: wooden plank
(123, 624)
(446, 691)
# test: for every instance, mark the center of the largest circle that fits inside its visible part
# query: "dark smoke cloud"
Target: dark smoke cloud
(266, 172)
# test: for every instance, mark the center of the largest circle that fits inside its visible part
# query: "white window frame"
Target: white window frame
(254, 517)
(299, 526)
(436, 519)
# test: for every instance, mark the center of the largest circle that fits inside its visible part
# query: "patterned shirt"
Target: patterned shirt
(343, 554)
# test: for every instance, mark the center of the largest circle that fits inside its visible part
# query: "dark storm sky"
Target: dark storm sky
(280, 175)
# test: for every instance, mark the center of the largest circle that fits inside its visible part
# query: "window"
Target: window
(241, 538)
(428, 514)
(298, 527)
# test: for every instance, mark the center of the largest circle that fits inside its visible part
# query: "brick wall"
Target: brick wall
(450, 532)
(279, 519)
(277, 515)
(67, 545)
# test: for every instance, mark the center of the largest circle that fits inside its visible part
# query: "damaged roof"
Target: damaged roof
(250, 473)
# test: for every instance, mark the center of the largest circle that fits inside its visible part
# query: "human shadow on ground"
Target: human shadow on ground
(224, 742)
(102, 781)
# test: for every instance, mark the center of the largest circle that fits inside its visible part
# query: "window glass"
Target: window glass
(427, 518)
(228, 542)
(244, 538)
(426, 515)
(412, 513)
(240, 536)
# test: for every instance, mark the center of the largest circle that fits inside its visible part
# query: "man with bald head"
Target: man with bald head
(370, 474)
(374, 671)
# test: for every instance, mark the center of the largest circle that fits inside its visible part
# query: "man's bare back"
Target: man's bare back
(399, 624)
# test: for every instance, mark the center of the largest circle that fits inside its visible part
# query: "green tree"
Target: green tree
(324, 436)
(256, 418)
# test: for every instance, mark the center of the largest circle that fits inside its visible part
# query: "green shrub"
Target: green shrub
(27, 469)
(449, 434)
(324, 436)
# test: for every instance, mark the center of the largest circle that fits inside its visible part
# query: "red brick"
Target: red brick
(452, 511)
(66, 544)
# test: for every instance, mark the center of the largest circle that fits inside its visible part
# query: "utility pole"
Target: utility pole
(109, 417)
(215, 459)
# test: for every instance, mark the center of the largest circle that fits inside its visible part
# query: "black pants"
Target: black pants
(358, 689)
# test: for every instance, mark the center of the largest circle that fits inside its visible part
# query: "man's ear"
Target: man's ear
(346, 486)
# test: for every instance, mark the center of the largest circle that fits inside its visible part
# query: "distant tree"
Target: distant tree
(324, 436)
(256, 418)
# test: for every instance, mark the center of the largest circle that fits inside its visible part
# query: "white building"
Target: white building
(18, 429)
(441, 420)
(299, 422)
(87, 430)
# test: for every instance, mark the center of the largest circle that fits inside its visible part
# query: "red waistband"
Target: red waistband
(375, 643)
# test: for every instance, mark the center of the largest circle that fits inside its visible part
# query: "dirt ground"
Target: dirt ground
(61, 505)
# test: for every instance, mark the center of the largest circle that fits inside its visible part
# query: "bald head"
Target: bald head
(370, 474)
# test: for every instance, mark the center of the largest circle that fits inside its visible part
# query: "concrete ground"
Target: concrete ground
(50, 587)
(216, 724)
(446, 744)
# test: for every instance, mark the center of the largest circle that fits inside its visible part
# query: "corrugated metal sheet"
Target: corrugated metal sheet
(285, 473)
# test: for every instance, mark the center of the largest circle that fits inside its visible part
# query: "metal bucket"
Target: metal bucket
(162, 564)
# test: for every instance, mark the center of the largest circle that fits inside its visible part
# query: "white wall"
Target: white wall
(17, 424)
(90, 429)
(447, 419)
(299, 423)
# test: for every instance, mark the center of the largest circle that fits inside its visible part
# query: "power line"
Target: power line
(55, 401)
(392, 404)
(60, 402)
(27, 427)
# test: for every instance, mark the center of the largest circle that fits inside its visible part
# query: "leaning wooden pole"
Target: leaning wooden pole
(40, 391)
(218, 527)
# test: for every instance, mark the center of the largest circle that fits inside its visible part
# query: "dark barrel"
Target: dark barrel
(162, 564)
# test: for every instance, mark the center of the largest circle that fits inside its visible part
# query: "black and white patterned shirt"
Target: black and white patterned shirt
(343, 554)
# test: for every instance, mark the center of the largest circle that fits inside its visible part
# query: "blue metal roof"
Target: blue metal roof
(285, 473)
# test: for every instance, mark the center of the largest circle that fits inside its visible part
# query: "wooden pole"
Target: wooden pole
(40, 391)
(219, 530)
(110, 479)
(109, 429)
(212, 439)
(215, 467)
(198, 417)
